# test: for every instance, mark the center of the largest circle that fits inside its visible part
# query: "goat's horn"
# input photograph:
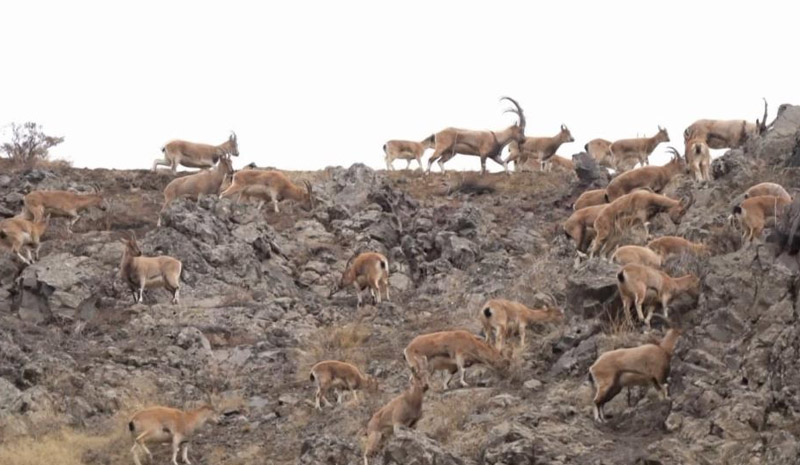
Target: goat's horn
(520, 113)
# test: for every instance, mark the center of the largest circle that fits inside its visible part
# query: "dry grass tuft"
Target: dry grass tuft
(343, 343)
(66, 447)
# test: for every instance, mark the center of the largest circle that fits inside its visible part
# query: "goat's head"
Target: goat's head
(565, 135)
(372, 384)
(518, 133)
(761, 126)
(226, 165)
(233, 145)
(310, 200)
(131, 247)
(663, 135)
(678, 160)
(677, 212)
(341, 283)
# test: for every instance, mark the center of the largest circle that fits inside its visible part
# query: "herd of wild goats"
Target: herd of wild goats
(596, 226)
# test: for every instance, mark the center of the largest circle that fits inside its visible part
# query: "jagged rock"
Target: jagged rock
(8, 395)
(328, 450)
(589, 172)
(410, 447)
(459, 251)
(592, 288)
(510, 444)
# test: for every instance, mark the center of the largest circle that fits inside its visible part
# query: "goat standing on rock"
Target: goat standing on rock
(18, 232)
(194, 155)
(146, 272)
(207, 182)
(164, 424)
(367, 270)
(268, 185)
(403, 410)
(60, 203)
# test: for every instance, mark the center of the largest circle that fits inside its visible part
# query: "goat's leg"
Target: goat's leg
(275, 203)
(461, 371)
(176, 444)
(408, 164)
(186, 453)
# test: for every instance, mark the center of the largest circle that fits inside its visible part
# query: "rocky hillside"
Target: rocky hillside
(77, 357)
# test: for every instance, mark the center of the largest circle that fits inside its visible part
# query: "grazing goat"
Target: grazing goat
(271, 185)
(206, 182)
(406, 150)
(637, 150)
(667, 246)
(164, 424)
(63, 204)
(638, 206)
(768, 188)
(367, 270)
(600, 150)
(333, 374)
(754, 212)
(698, 158)
(193, 155)
(539, 148)
(484, 144)
(148, 272)
(636, 254)
(725, 134)
(580, 225)
(18, 232)
(590, 199)
(502, 317)
(403, 410)
(654, 178)
(636, 366)
(460, 346)
(635, 280)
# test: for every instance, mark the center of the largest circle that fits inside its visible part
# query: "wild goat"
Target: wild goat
(406, 150)
(403, 410)
(367, 270)
(18, 232)
(638, 206)
(539, 148)
(561, 163)
(667, 246)
(754, 212)
(636, 150)
(725, 134)
(698, 158)
(636, 366)
(501, 318)
(164, 424)
(654, 178)
(147, 272)
(580, 226)
(590, 199)
(636, 254)
(64, 204)
(635, 280)
(484, 144)
(272, 185)
(460, 346)
(600, 150)
(193, 155)
(768, 188)
(206, 182)
(333, 374)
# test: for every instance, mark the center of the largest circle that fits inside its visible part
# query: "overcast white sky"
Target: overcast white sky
(311, 84)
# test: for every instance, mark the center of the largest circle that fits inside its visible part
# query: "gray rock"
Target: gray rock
(410, 447)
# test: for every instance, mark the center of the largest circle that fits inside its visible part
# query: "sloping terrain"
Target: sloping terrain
(77, 357)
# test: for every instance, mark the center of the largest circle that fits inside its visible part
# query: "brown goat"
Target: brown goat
(539, 148)
(367, 270)
(17, 232)
(194, 155)
(600, 150)
(461, 346)
(638, 206)
(635, 280)
(768, 188)
(63, 204)
(268, 185)
(484, 144)
(164, 424)
(636, 150)
(636, 254)
(501, 318)
(725, 134)
(698, 159)
(403, 410)
(754, 212)
(654, 178)
(590, 199)
(406, 150)
(667, 246)
(580, 225)
(333, 374)
(146, 272)
(637, 366)
(206, 182)
(561, 163)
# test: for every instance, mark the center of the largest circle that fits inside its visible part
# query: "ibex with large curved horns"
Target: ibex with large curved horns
(725, 134)
(484, 144)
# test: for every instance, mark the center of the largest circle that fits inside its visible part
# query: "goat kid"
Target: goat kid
(333, 374)
(148, 272)
(403, 410)
(406, 150)
(501, 318)
(367, 270)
